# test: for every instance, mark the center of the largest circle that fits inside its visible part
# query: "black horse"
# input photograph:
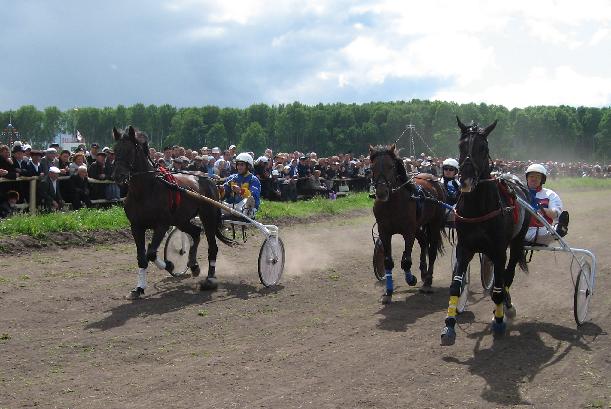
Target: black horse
(152, 204)
(488, 220)
(400, 208)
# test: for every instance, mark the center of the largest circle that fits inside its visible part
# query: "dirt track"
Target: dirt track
(320, 340)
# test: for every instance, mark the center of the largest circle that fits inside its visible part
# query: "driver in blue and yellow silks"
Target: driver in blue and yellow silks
(243, 189)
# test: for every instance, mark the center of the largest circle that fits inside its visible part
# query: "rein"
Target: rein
(487, 216)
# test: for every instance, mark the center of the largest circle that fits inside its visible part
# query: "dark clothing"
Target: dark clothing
(33, 170)
(5, 187)
(452, 189)
(96, 170)
(303, 170)
(80, 192)
(6, 210)
(45, 164)
(47, 194)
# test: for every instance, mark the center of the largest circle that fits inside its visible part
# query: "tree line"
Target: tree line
(538, 132)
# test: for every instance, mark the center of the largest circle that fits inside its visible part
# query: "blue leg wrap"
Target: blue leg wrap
(410, 279)
(389, 283)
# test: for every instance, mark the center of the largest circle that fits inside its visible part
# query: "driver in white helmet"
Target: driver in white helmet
(548, 204)
(450, 170)
(243, 189)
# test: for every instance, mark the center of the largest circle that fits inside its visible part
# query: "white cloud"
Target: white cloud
(542, 86)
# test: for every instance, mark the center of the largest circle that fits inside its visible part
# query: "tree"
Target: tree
(253, 138)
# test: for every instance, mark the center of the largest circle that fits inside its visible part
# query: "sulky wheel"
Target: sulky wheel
(378, 260)
(487, 272)
(176, 251)
(271, 261)
(583, 294)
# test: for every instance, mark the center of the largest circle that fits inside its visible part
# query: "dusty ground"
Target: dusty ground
(319, 340)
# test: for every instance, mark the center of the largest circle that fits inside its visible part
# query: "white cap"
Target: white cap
(54, 169)
(82, 167)
(232, 146)
(51, 150)
(263, 159)
(216, 150)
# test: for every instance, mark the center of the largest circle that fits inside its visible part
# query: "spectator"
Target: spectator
(112, 191)
(49, 196)
(93, 153)
(77, 161)
(97, 170)
(7, 207)
(80, 189)
(49, 160)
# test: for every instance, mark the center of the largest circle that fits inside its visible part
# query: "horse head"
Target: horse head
(474, 160)
(131, 154)
(388, 171)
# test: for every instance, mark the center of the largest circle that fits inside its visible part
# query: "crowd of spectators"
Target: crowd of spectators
(70, 177)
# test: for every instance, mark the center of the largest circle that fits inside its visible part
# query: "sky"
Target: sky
(237, 53)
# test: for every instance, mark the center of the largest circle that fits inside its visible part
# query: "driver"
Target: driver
(548, 204)
(243, 189)
(450, 169)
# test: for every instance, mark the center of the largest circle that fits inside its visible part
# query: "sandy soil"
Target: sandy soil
(69, 338)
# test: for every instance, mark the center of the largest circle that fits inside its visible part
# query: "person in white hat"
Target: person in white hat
(450, 170)
(242, 190)
(49, 195)
(548, 204)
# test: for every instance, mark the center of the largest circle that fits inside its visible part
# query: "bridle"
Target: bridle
(385, 182)
(472, 133)
(131, 166)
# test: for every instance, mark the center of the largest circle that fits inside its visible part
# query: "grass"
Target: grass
(578, 184)
(39, 226)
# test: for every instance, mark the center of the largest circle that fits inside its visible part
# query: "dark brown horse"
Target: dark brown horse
(488, 221)
(152, 204)
(401, 208)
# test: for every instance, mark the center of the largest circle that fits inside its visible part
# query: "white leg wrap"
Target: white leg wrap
(142, 278)
(160, 263)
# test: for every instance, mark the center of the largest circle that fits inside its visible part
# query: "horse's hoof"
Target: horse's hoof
(386, 299)
(448, 336)
(411, 280)
(426, 289)
(169, 266)
(209, 284)
(498, 328)
(195, 270)
(135, 294)
(510, 312)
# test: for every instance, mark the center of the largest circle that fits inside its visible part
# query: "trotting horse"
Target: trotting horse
(488, 221)
(400, 208)
(152, 204)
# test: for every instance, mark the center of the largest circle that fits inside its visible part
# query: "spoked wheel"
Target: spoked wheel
(583, 294)
(378, 260)
(177, 251)
(487, 272)
(271, 261)
(464, 286)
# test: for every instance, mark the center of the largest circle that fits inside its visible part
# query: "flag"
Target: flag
(79, 137)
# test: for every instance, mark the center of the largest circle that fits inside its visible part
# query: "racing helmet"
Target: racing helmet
(538, 168)
(451, 162)
(246, 158)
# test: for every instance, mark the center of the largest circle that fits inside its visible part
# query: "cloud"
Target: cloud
(234, 53)
(542, 86)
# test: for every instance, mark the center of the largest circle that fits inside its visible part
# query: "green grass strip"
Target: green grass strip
(114, 218)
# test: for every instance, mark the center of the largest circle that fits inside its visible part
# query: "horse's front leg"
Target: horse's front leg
(151, 252)
(498, 295)
(463, 258)
(388, 266)
(406, 259)
(140, 241)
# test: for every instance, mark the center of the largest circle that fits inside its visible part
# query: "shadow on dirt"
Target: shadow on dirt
(170, 298)
(409, 306)
(522, 354)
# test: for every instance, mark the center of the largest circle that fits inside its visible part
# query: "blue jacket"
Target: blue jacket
(250, 181)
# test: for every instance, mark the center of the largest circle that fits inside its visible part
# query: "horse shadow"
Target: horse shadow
(399, 315)
(522, 354)
(171, 298)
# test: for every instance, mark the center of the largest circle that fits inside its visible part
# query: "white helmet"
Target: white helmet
(451, 162)
(245, 157)
(538, 168)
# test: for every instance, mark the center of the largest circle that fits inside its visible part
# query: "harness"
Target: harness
(501, 210)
